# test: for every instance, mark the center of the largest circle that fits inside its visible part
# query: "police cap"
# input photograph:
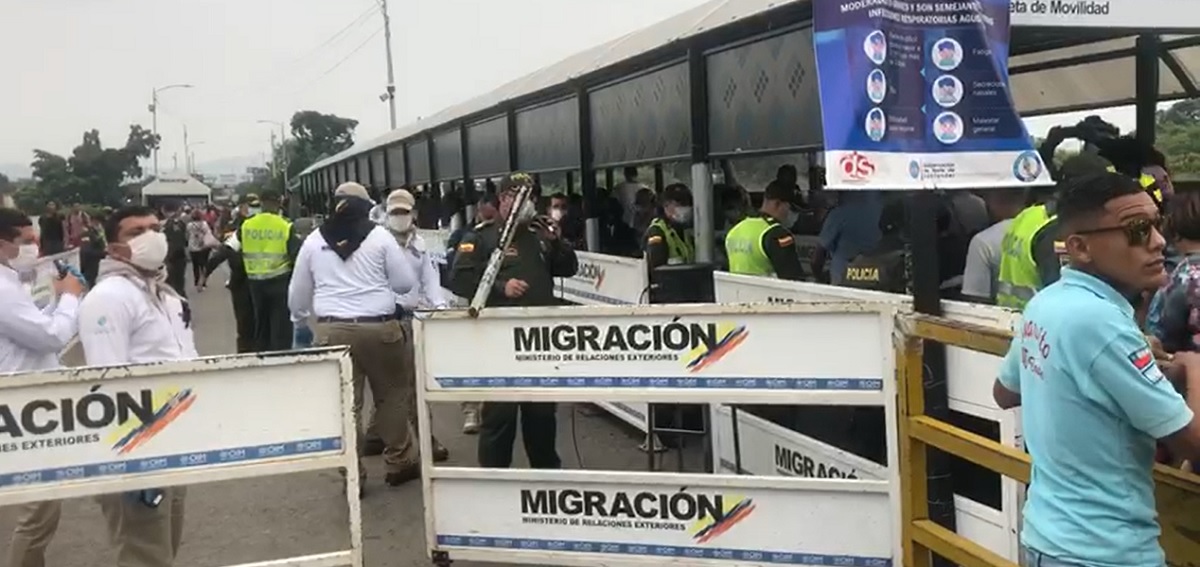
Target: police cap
(779, 191)
(677, 193)
(515, 181)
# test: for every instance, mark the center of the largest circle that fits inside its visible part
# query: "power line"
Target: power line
(346, 58)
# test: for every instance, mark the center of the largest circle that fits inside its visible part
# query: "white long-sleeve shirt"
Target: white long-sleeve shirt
(32, 338)
(428, 292)
(119, 324)
(364, 285)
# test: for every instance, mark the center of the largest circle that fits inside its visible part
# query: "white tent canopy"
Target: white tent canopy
(176, 186)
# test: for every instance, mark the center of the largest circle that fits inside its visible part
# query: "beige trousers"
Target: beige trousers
(378, 353)
(143, 536)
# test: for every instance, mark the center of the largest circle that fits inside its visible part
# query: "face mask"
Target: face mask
(527, 212)
(792, 218)
(400, 223)
(682, 215)
(254, 211)
(557, 214)
(27, 256)
(148, 251)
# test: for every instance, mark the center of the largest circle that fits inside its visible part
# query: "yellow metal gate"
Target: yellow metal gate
(1178, 493)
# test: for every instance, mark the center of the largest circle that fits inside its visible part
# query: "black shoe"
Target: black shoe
(394, 479)
(373, 447)
(440, 453)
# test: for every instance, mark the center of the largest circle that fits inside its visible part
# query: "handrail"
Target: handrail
(1177, 492)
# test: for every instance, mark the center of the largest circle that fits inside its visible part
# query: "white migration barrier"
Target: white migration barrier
(660, 354)
(768, 449)
(91, 431)
(40, 280)
(610, 280)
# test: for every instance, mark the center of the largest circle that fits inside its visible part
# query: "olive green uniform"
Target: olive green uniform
(537, 262)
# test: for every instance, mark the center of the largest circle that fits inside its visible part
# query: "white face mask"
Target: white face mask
(527, 212)
(254, 211)
(557, 214)
(400, 223)
(682, 215)
(27, 257)
(148, 251)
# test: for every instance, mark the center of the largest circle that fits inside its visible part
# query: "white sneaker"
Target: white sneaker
(470, 422)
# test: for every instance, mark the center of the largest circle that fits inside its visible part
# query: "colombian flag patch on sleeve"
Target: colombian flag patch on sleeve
(654, 240)
(466, 247)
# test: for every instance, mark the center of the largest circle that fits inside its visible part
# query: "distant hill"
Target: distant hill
(230, 165)
(16, 170)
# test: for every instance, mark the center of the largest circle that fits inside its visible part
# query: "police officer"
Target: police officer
(238, 284)
(763, 245)
(669, 239)
(884, 268)
(269, 247)
(1031, 253)
(175, 227)
(532, 260)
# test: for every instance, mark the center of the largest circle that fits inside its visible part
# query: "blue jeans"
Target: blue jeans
(1034, 558)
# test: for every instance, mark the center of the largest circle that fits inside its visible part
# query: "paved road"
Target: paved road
(257, 520)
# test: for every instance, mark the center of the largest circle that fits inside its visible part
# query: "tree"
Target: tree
(92, 174)
(1179, 137)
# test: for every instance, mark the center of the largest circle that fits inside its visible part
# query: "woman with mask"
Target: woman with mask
(669, 239)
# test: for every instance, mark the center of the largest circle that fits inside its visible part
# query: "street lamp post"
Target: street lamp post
(154, 117)
(294, 204)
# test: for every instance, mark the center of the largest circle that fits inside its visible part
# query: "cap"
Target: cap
(515, 181)
(400, 200)
(779, 191)
(352, 189)
(270, 195)
(677, 193)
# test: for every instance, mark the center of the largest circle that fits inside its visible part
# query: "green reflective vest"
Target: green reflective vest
(1019, 278)
(264, 239)
(680, 249)
(744, 247)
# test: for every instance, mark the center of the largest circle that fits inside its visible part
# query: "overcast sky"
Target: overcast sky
(72, 65)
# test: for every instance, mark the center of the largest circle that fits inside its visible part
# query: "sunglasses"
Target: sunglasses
(1137, 232)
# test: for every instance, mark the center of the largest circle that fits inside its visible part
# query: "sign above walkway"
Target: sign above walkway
(1124, 14)
(915, 95)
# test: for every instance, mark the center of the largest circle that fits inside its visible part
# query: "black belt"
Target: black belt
(372, 319)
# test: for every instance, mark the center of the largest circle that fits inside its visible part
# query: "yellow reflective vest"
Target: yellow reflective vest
(1019, 278)
(680, 250)
(744, 247)
(264, 239)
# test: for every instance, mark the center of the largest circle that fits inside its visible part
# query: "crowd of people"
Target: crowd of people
(355, 281)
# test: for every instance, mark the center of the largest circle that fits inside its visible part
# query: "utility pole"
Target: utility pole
(187, 163)
(391, 76)
(154, 116)
(274, 156)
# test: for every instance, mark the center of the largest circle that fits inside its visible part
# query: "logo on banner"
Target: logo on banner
(703, 516)
(1028, 166)
(169, 405)
(593, 274)
(125, 419)
(857, 167)
(703, 356)
(697, 345)
(914, 169)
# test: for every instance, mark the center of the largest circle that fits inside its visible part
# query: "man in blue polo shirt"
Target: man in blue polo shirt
(1093, 398)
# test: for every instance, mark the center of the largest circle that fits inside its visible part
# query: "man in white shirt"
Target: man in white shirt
(347, 275)
(427, 294)
(30, 340)
(983, 255)
(132, 316)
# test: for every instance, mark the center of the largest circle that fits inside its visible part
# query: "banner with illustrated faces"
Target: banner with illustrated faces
(915, 95)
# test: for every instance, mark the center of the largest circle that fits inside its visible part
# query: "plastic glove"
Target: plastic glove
(150, 498)
(302, 337)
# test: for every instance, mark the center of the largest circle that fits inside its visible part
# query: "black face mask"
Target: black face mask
(352, 208)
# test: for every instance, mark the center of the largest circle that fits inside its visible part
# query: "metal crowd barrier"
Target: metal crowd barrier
(1177, 493)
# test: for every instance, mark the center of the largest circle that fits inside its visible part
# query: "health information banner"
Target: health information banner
(915, 95)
